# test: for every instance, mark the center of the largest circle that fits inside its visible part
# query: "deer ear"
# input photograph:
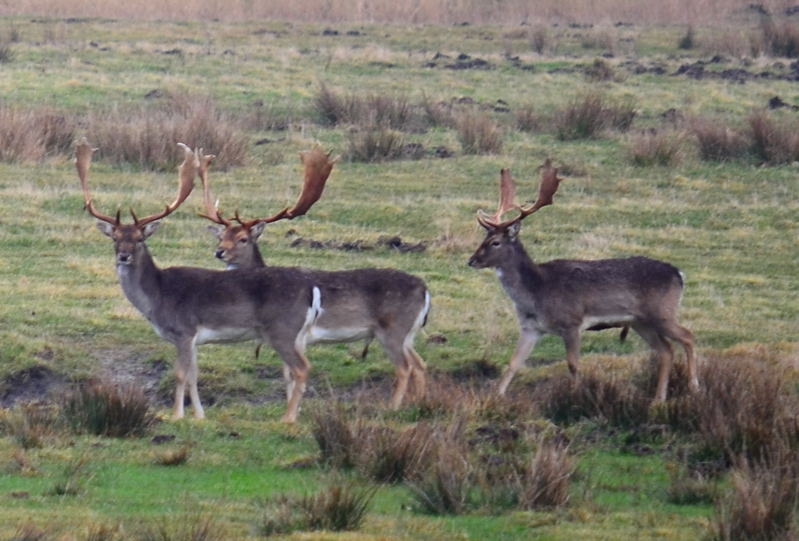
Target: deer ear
(216, 230)
(257, 229)
(150, 228)
(105, 228)
(513, 230)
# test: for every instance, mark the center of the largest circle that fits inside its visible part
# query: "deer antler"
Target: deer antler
(211, 209)
(187, 171)
(83, 161)
(507, 198)
(318, 166)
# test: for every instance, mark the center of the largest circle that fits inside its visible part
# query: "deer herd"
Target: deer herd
(289, 308)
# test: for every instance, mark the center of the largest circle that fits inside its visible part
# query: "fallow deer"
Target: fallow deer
(385, 304)
(190, 306)
(565, 297)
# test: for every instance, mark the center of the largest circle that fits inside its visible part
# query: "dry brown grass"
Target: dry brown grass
(444, 12)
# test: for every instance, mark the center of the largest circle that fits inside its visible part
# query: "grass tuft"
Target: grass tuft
(104, 408)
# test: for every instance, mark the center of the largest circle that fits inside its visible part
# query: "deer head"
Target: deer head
(502, 234)
(237, 241)
(129, 238)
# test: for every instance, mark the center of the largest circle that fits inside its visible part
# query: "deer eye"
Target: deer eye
(243, 240)
(495, 243)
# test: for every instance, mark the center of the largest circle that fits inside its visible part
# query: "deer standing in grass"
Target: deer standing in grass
(565, 297)
(385, 304)
(190, 306)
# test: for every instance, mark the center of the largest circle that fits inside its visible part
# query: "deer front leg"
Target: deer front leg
(527, 340)
(186, 371)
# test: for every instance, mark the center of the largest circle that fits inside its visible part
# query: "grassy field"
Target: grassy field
(730, 225)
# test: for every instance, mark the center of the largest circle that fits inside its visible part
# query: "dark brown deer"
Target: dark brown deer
(190, 306)
(385, 304)
(565, 297)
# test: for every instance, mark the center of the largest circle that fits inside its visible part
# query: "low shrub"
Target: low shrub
(545, 485)
(780, 39)
(335, 437)
(566, 400)
(388, 111)
(188, 527)
(146, 136)
(444, 483)
(687, 486)
(774, 141)
(587, 116)
(33, 134)
(763, 500)
(389, 456)
(375, 144)
(743, 411)
(339, 507)
(654, 147)
(31, 425)
(718, 141)
(478, 133)
(72, 479)
(105, 408)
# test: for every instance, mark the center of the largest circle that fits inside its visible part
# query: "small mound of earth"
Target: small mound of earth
(29, 385)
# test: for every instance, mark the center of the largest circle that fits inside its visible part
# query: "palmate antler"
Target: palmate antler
(186, 174)
(507, 197)
(318, 166)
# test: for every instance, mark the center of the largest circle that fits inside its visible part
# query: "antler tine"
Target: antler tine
(83, 161)
(546, 190)
(507, 201)
(187, 172)
(550, 181)
(211, 208)
(318, 166)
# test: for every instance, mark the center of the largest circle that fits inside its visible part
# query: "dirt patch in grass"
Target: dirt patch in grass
(29, 385)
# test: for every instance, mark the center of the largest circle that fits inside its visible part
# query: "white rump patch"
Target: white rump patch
(420, 320)
(310, 317)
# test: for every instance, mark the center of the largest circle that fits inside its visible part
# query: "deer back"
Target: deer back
(219, 306)
(362, 302)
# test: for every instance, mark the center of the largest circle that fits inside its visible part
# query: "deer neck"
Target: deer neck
(518, 272)
(139, 281)
(257, 259)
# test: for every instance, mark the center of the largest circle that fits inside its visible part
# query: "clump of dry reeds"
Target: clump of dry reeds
(338, 507)
(589, 115)
(105, 408)
(655, 147)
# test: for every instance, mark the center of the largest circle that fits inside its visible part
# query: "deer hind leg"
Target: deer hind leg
(296, 368)
(571, 340)
(418, 372)
(527, 340)
(685, 338)
(662, 355)
(402, 367)
(290, 345)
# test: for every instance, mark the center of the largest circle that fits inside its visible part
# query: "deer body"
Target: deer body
(566, 297)
(361, 304)
(192, 306)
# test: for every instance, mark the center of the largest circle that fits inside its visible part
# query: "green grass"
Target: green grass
(730, 227)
